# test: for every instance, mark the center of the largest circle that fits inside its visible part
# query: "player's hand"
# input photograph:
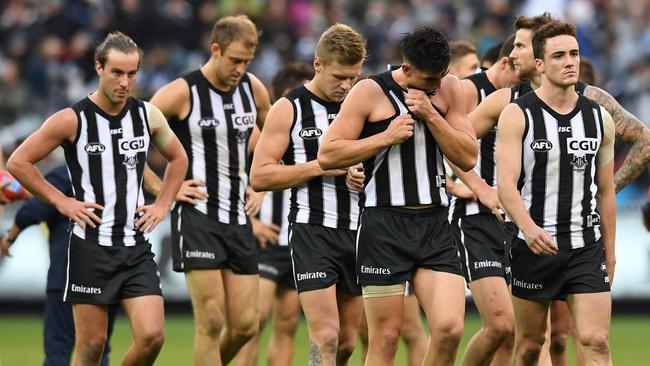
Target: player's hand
(150, 216)
(399, 130)
(253, 201)
(4, 200)
(419, 103)
(489, 197)
(329, 172)
(190, 192)
(265, 232)
(80, 212)
(610, 262)
(540, 241)
(355, 178)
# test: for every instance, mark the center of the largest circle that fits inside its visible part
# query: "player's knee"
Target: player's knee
(152, 340)
(558, 343)
(245, 329)
(529, 348)
(345, 349)
(326, 339)
(389, 337)
(451, 333)
(597, 341)
(92, 348)
(501, 329)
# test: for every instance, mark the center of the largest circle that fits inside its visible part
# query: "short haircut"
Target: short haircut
(587, 72)
(547, 31)
(235, 28)
(507, 47)
(460, 49)
(426, 49)
(533, 23)
(340, 43)
(492, 54)
(290, 77)
(115, 41)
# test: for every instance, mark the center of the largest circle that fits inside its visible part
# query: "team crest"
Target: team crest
(131, 162)
(579, 163)
(242, 135)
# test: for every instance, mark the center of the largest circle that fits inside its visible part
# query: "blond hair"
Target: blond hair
(232, 28)
(340, 43)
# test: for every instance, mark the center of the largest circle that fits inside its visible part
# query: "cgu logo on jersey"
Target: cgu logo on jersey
(241, 121)
(94, 148)
(582, 146)
(134, 145)
(310, 133)
(208, 123)
(541, 145)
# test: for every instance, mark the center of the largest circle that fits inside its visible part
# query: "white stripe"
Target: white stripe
(105, 229)
(395, 179)
(371, 188)
(131, 185)
(300, 157)
(552, 174)
(242, 149)
(528, 164)
(67, 271)
(180, 234)
(223, 158)
(284, 228)
(440, 169)
(354, 210)
(594, 185)
(196, 143)
(330, 200)
(462, 242)
(82, 157)
(147, 140)
(356, 249)
(421, 172)
(577, 241)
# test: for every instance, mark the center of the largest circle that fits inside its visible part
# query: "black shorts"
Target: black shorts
(482, 247)
(323, 256)
(99, 274)
(274, 263)
(394, 242)
(200, 242)
(511, 231)
(570, 271)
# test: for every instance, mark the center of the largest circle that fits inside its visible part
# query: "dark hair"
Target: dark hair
(290, 77)
(507, 46)
(533, 23)
(549, 31)
(492, 54)
(587, 72)
(115, 41)
(426, 49)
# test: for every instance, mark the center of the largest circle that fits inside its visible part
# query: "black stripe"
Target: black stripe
(140, 128)
(432, 169)
(94, 166)
(407, 156)
(72, 159)
(277, 207)
(121, 181)
(210, 150)
(289, 158)
(591, 132)
(565, 189)
(315, 185)
(382, 183)
(233, 159)
(538, 178)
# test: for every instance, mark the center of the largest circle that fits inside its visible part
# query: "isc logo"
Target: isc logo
(582, 146)
(132, 145)
(95, 148)
(243, 120)
(310, 133)
(208, 122)
(541, 145)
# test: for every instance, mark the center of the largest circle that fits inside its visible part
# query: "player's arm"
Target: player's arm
(173, 100)
(59, 128)
(267, 173)
(606, 194)
(171, 149)
(508, 145)
(262, 99)
(453, 133)
(470, 93)
(483, 191)
(630, 130)
(341, 146)
(485, 116)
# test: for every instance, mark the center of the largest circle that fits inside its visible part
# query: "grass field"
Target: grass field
(21, 340)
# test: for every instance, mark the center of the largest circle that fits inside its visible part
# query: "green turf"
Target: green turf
(21, 340)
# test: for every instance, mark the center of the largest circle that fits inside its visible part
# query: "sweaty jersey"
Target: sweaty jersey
(106, 164)
(411, 173)
(215, 136)
(558, 175)
(325, 201)
(485, 164)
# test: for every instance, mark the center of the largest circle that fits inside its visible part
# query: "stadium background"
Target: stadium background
(46, 64)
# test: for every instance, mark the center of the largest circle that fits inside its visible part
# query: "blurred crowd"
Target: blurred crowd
(46, 47)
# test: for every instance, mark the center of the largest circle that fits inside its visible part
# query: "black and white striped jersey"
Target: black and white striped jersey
(275, 210)
(411, 173)
(485, 164)
(215, 137)
(558, 169)
(323, 200)
(106, 164)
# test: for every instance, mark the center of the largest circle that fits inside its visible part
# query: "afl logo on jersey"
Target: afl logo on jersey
(541, 145)
(310, 133)
(94, 148)
(208, 123)
(129, 146)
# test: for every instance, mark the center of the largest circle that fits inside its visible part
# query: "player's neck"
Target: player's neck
(209, 71)
(492, 75)
(105, 104)
(314, 86)
(535, 81)
(562, 99)
(400, 78)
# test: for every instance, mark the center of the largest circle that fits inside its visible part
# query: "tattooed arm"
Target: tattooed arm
(629, 130)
